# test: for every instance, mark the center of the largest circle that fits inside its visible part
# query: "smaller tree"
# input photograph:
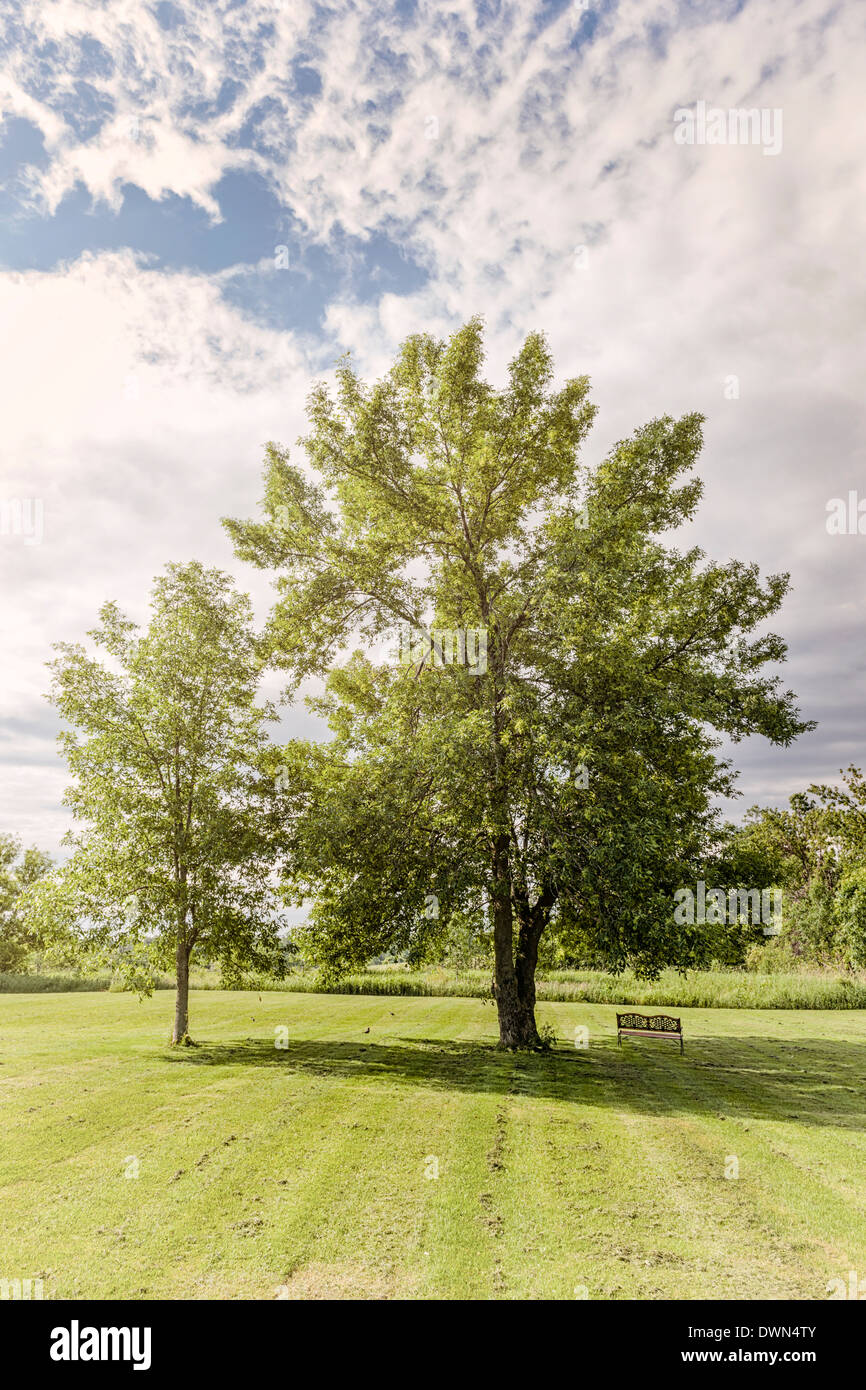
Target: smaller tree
(788, 849)
(850, 905)
(164, 749)
(844, 815)
(816, 851)
(844, 822)
(17, 873)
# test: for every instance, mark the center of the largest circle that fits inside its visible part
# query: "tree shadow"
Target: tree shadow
(813, 1081)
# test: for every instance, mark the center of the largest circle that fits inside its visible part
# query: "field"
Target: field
(414, 1160)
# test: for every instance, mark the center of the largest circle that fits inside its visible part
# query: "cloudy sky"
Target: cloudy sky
(204, 204)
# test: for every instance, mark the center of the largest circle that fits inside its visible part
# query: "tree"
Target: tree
(790, 848)
(17, 873)
(816, 849)
(164, 748)
(850, 905)
(783, 846)
(844, 815)
(563, 782)
(841, 816)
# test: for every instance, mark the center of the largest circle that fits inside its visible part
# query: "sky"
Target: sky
(202, 206)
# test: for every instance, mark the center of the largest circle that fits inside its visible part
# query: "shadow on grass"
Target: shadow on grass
(811, 1082)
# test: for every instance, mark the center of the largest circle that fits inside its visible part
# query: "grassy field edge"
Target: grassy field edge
(721, 989)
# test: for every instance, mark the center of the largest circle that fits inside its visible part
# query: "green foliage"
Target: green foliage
(18, 872)
(816, 849)
(844, 815)
(810, 923)
(850, 905)
(568, 788)
(164, 744)
(790, 847)
(468, 945)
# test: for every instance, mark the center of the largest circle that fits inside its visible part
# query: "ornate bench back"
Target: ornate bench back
(649, 1023)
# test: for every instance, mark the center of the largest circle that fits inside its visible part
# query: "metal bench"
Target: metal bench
(649, 1025)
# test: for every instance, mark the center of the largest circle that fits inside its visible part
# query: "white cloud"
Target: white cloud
(136, 405)
(702, 263)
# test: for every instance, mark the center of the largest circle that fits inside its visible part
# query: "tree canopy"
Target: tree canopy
(568, 786)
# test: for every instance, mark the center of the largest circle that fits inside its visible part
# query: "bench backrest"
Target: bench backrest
(650, 1023)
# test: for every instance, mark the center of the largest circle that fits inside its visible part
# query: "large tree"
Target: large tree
(563, 783)
(164, 747)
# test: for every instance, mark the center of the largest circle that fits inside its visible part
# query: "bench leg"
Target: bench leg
(682, 1047)
(619, 1039)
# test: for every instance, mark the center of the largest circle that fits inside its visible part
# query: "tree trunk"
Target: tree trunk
(180, 1033)
(526, 963)
(514, 1002)
(517, 1027)
(516, 1008)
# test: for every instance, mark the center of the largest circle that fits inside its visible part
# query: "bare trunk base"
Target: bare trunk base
(180, 1031)
(517, 1026)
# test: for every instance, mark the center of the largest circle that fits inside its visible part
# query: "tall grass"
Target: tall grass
(718, 989)
(51, 984)
(699, 989)
(66, 982)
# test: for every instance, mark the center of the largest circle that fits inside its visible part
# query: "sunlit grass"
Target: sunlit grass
(417, 1160)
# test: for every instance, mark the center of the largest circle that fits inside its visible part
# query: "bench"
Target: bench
(649, 1025)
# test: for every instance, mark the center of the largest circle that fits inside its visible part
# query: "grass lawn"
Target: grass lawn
(308, 1172)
